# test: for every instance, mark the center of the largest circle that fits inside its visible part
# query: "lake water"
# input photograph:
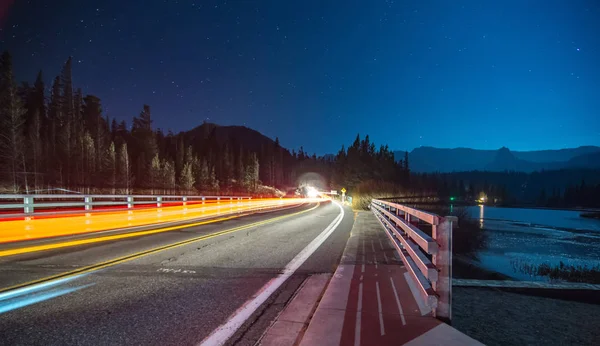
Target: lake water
(535, 236)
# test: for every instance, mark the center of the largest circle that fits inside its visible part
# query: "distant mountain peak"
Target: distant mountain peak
(430, 159)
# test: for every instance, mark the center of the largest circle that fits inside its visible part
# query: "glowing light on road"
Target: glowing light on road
(21, 297)
(311, 192)
(32, 228)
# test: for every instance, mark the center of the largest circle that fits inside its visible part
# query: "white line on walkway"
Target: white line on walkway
(398, 302)
(385, 258)
(358, 316)
(220, 335)
(373, 246)
(363, 246)
(375, 259)
(381, 328)
(380, 244)
(362, 268)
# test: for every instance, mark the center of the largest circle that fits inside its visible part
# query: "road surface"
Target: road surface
(170, 288)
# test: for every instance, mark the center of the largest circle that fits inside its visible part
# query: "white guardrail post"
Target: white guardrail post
(442, 233)
(88, 202)
(28, 205)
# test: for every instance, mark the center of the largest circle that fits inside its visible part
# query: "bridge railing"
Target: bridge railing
(427, 258)
(12, 206)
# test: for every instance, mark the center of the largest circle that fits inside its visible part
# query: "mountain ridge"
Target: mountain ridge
(444, 160)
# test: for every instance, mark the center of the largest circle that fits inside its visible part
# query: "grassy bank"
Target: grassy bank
(562, 271)
(591, 215)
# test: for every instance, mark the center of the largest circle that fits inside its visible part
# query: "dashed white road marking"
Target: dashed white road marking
(181, 271)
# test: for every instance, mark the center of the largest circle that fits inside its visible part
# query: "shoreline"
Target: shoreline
(466, 268)
(517, 206)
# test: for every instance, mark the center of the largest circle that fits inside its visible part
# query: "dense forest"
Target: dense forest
(63, 141)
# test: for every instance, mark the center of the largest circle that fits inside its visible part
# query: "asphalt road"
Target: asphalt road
(175, 296)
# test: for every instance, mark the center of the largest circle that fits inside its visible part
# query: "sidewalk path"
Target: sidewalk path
(370, 299)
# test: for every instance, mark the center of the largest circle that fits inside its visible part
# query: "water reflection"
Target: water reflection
(481, 216)
(519, 237)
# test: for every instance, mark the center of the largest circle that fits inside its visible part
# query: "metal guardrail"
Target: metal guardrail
(12, 206)
(427, 258)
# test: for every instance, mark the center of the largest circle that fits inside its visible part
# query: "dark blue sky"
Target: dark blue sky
(481, 74)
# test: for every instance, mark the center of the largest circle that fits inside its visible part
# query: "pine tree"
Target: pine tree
(227, 167)
(252, 171)
(35, 123)
(155, 174)
(35, 148)
(146, 147)
(66, 124)
(168, 175)
(124, 170)
(11, 124)
(186, 178)
(406, 168)
(77, 131)
(111, 167)
(89, 159)
(179, 154)
(203, 177)
(240, 173)
(54, 116)
(213, 182)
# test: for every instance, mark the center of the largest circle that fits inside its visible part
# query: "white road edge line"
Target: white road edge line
(398, 302)
(358, 316)
(381, 328)
(220, 335)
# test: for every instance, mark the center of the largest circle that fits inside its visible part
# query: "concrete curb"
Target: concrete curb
(289, 326)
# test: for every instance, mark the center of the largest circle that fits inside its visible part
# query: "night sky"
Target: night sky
(480, 74)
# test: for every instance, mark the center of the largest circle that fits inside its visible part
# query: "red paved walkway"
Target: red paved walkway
(369, 300)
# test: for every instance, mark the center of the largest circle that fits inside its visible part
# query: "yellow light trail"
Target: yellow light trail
(32, 228)
(112, 262)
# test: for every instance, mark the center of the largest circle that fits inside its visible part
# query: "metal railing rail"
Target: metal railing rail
(12, 206)
(428, 259)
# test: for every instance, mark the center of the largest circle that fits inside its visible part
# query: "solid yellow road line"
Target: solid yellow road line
(98, 266)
